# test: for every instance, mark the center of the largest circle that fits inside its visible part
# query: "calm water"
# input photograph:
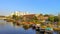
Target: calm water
(9, 28)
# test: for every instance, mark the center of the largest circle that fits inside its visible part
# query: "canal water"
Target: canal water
(9, 28)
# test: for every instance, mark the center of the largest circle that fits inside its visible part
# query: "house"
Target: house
(28, 17)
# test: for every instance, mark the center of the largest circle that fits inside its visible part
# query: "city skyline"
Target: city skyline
(32, 6)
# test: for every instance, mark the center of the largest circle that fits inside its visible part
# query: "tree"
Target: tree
(56, 19)
(51, 18)
(59, 17)
(34, 19)
(14, 16)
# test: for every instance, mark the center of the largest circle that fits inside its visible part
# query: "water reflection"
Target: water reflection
(37, 32)
(15, 28)
(14, 23)
(26, 27)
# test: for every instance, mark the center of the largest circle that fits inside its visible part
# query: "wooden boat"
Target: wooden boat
(57, 29)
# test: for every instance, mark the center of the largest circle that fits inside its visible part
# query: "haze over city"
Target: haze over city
(32, 6)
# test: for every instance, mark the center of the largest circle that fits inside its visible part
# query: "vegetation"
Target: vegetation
(39, 19)
(56, 19)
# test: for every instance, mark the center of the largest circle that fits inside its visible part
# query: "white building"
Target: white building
(17, 13)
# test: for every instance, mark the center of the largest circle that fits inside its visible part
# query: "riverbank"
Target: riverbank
(30, 23)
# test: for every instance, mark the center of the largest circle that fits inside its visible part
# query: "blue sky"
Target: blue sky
(32, 6)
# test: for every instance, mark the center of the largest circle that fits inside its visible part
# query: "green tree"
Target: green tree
(51, 18)
(56, 19)
(34, 19)
(14, 16)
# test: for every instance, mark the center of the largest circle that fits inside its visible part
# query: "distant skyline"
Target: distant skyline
(32, 6)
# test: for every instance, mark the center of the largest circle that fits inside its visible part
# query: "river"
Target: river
(9, 28)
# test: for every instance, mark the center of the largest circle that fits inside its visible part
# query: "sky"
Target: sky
(31, 6)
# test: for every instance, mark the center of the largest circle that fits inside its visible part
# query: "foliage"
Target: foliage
(56, 19)
(14, 17)
(51, 19)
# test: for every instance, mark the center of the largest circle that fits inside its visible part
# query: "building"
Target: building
(18, 13)
(28, 17)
